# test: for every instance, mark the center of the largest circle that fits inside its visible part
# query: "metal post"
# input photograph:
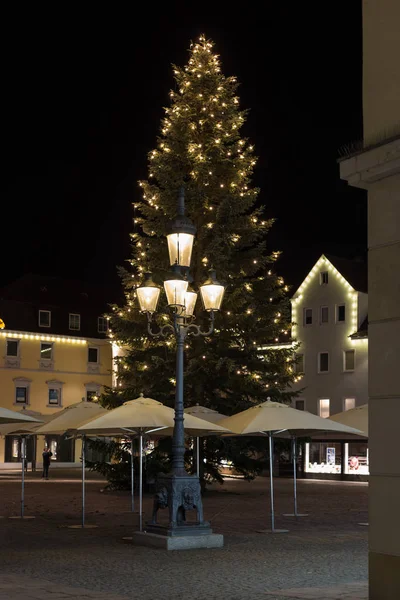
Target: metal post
(141, 482)
(271, 487)
(23, 442)
(271, 483)
(294, 454)
(198, 456)
(132, 479)
(83, 479)
(294, 475)
(178, 440)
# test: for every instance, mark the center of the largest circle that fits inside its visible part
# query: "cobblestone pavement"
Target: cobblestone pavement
(323, 557)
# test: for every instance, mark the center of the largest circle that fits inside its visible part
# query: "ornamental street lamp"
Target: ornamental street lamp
(178, 490)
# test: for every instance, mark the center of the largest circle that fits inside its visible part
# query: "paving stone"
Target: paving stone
(42, 559)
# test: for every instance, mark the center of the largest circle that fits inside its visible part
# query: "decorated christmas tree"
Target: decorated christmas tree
(201, 149)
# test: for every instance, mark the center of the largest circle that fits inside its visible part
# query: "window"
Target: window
(323, 362)
(307, 319)
(340, 313)
(93, 355)
(55, 392)
(74, 321)
(349, 403)
(44, 318)
(21, 395)
(12, 347)
(349, 360)
(299, 366)
(46, 351)
(22, 390)
(323, 277)
(91, 396)
(323, 408)
(92, 391)
(54, 397)
(324, 314)
(102, 325)
(300, 404)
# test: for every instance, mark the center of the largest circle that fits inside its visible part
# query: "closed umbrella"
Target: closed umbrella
(143, 415)
(67, 421)
(24, 422)
(207, 414)
(276, 418)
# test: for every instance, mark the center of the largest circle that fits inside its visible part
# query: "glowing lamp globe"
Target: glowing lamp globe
(148, 294)
(175, 287)
(190, 303)
(181, 236)
(212, 292)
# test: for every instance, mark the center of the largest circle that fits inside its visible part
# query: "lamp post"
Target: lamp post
(178, 490)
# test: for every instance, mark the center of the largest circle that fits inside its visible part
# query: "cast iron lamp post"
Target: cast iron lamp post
(179, 490)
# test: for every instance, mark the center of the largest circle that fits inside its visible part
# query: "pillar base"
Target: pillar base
(384, 576)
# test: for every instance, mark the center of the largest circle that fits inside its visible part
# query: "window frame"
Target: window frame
(51, 344)
(54, 384)
(23, 383)
(321, 277)
(296, 400)
(344, 403)
(98, 325)
(319, 362)
(44, 311)
(97, 362)
(321, 322)
(18, 342)
(305, 324)
(296, 365)
(69, 321)
(329, 407)
(92, 388)
(344, 360)
(337, 313)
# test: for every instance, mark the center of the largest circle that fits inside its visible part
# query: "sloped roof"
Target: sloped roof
(354, 271)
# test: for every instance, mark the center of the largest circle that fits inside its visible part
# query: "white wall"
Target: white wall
(333, 338)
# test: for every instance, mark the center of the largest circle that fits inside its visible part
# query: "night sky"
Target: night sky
(83, 100)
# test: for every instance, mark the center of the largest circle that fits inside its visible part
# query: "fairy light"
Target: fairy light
(43, 338)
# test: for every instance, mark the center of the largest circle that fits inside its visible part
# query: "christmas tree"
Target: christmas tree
(201, 148)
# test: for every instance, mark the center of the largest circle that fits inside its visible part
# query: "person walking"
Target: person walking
(46, 454)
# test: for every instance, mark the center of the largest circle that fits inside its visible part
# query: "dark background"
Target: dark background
(83, 100)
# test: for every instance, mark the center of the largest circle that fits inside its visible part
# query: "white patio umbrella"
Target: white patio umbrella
(207, 414)
(355, 417)
(276, 418)
(67, 421)
(24, 422)
(11, 416)
(136, 417)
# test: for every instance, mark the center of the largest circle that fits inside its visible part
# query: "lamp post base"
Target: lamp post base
(179, 492)
(178, 542)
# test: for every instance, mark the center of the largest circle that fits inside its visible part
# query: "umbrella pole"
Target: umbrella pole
(198, 456)
(271, 483)
(141, 482)
(83, 479)
(132, 479)
(271, 486)
(23, 442)
(294, 452)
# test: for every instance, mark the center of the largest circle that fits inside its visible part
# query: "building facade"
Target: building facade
(329, 315)
(376, 168)
(54, 352)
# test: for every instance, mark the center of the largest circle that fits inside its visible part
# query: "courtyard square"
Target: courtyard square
(323, 556)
